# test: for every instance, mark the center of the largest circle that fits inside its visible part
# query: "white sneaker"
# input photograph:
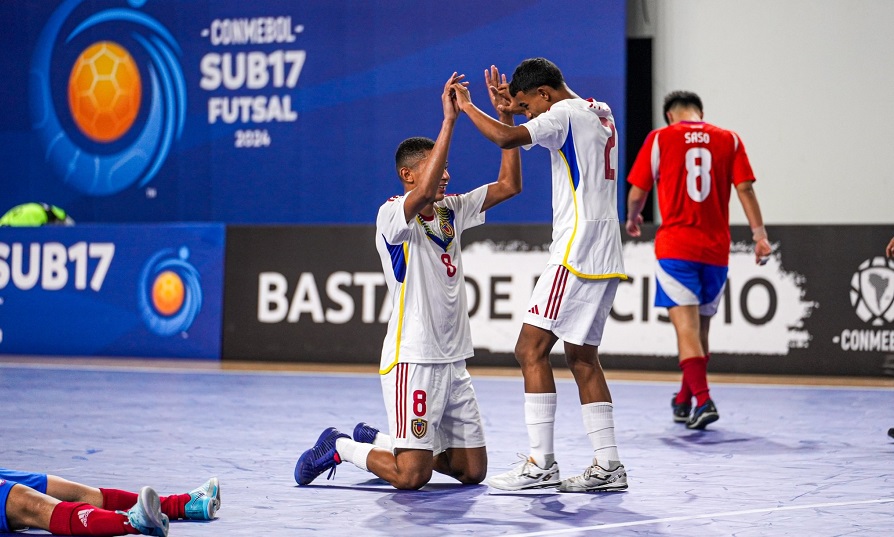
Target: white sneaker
(527, 475)
(596, 479)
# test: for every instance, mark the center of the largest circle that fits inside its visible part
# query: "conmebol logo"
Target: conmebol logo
(872, 291)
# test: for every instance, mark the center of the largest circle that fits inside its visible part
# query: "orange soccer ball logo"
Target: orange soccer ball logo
(104, 91)
(168, 293)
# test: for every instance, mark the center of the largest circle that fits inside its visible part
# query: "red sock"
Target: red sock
(695, 376)
(71, 518)
(174, 505)
(117, 500)
(685, 394)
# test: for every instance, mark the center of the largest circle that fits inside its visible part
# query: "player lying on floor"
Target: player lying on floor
(65, 507)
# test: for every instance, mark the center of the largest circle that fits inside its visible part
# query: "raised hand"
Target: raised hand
(450, 96)
(461, 95)
(494, 82)
(499, 92)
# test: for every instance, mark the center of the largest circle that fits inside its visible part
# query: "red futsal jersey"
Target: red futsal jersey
(695, 165)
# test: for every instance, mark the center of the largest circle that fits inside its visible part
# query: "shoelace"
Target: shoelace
(589, 472)
(336, 459)
(595, 470)
(320, 452)
(525, 462)
(528, 465)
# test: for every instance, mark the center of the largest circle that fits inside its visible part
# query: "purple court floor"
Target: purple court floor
(782, 460)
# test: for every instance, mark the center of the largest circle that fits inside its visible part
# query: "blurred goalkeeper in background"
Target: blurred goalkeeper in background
(36, 215)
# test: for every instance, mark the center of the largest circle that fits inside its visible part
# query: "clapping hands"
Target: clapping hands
(450, 98)
(498, 88)
(498, 91)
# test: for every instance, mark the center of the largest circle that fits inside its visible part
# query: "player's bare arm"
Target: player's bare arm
(889, 251)
(748, 198)
(505, 136)
(509, 180)
(424, 176)
(636, 201)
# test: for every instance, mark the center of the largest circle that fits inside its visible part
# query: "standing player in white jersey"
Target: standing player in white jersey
(433, 415)
(572, 299)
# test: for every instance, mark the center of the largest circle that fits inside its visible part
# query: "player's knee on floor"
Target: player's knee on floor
(468, 466)
(412, 480)
(472, 477)
(413, 469)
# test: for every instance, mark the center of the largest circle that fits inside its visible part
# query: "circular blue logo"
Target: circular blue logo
(105, 91)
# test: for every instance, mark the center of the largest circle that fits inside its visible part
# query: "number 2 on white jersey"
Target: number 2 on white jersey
(609, 144)
(698, 164)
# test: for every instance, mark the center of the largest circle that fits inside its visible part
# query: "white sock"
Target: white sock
(353, 452)
(599, 423)
(382, 440)
(540, 418)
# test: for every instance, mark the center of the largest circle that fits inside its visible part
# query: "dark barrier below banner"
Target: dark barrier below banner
(303, 294)
(823, 305)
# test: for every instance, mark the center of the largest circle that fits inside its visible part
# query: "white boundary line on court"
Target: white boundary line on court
(601, 527)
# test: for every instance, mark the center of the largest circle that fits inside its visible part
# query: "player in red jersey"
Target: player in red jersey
(695, 165)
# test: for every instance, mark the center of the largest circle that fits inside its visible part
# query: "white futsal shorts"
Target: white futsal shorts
(432, 406)
(574, 309)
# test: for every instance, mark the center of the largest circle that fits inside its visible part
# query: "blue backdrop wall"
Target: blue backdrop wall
(271, 111)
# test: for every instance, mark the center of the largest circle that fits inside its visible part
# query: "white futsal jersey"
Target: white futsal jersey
(581, 138)
(423, 269)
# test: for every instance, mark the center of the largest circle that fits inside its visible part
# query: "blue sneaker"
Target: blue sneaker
(681, 410)
(146, 516)
(365, 434)
(319, 458)
(703, 415)
(203, 501)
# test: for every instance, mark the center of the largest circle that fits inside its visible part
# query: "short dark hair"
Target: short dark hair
(533, 73)
(681, 98)
(412, 149)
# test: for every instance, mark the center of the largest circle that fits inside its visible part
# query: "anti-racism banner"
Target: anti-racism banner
(112, 290)
(270, 111)
(318, 294)
(303, 294)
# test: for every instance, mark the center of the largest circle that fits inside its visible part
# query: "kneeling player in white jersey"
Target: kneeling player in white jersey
(434, 421)
(573, 297)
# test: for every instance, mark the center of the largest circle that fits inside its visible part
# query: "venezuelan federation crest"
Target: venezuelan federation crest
(419, 427)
